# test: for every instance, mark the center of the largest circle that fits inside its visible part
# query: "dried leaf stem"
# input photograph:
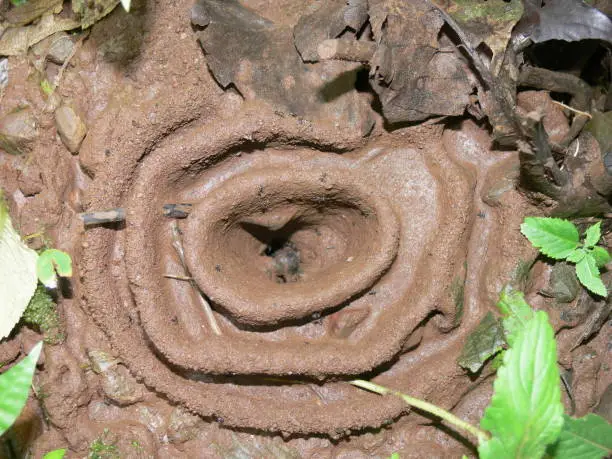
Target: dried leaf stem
(178, 246)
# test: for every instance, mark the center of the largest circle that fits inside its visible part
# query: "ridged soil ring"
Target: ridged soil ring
(415, 232)
(329, 217)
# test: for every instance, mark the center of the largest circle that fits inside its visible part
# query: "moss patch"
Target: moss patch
(42, 314)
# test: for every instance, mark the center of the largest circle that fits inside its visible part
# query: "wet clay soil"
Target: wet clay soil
(326, 254)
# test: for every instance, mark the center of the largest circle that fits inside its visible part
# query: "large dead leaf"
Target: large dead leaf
(413, 79)
(31, 10)
(569, 20)
(329, 21)
(17, 40)
(88, 12)
(489, 22)
(258, 58)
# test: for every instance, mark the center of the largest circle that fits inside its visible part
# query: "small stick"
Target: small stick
(103, 216)
(178, 246)
(183, 278)
(575, 110)
(75, 48)
(568, 389)
(177, 210)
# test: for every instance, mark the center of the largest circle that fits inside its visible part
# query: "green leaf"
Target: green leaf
(588, 275)
(525, 414)
(17, 273)
(601, 255)
(50, 262)
(394, 456)
(554, 237)
(15, 387)
(486, 340)
(516, 312)
(589, 437)
(577, 255)
(57, 454)
(593, 234)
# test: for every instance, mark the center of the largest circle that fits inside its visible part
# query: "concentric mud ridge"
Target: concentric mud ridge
(326, 216)
(319, 265)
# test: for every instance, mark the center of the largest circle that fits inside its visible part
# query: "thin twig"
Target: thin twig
(481, 435)
(568, 389)
(575, 110)
(75, 48)
(183, 278)
(178, 246)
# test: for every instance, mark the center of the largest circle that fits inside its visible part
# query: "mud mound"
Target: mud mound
(319, 266)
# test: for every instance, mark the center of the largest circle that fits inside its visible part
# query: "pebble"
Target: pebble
(18, 129)
(118, 384)
(70, 127)
(60, 49)
(183, 426)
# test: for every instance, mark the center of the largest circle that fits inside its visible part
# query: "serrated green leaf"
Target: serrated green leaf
(589, 437)
(593, 234)
(577, 255)
(50, 262)
(17, 273)
(515, 311)
(525, 414)
(484, 341)
(588, 275)
(554, 237)
(15, 388)
(57, 454)
(601, 255)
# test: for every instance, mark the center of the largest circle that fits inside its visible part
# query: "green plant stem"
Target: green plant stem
(480, 435)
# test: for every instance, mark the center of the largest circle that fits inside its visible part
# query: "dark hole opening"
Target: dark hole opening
(277, 245)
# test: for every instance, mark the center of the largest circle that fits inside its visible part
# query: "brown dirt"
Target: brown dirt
(405, 239)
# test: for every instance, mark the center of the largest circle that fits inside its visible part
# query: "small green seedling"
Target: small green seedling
(104, 447)
(50, 264)
(525, 417)
(46, 87)
(559, 239)
(15, 387)
(57, 454)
